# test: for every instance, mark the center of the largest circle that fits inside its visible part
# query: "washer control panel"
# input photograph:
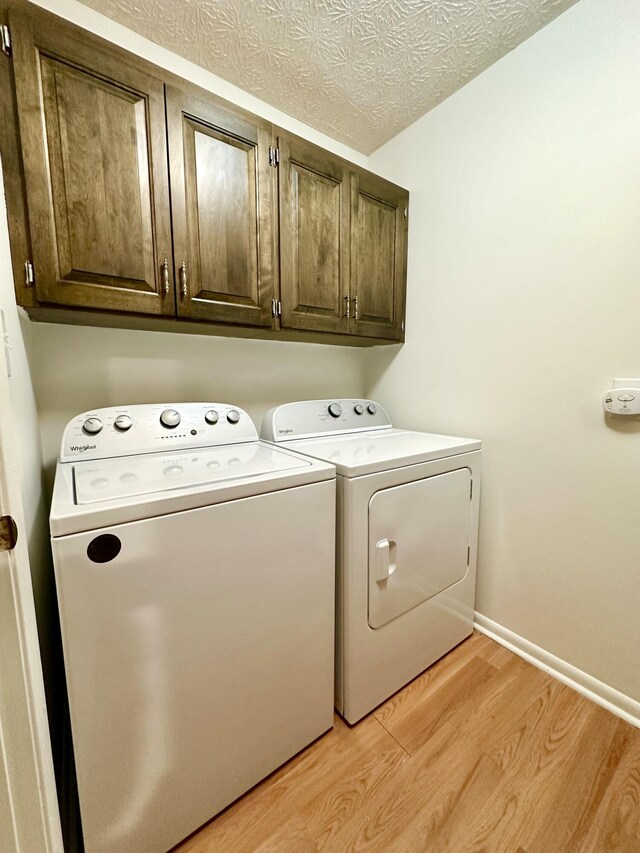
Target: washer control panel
(129, 430)
(317, 418)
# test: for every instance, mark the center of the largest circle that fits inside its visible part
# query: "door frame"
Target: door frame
(29, 816)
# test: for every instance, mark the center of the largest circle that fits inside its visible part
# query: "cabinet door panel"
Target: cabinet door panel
(378, 255)
(94, 151)
(313, 238)
(222, 212)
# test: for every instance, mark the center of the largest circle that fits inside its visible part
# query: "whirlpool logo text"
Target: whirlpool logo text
(82, 447)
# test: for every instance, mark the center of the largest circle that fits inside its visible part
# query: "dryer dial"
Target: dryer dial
(211, 417)
(335, 410)
(358, 409)
(233, 416)
(372, 408)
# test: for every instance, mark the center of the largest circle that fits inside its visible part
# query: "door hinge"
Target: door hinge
(8, 533)
(6, 40)
(468, 554)
(274, 156)
(29, 275)
(276, 308)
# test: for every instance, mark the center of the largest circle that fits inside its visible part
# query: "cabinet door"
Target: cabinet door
(378, 256)
(222, 208)
(314, 237)
(93, 143)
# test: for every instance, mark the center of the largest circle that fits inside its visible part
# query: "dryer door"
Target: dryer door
(418, 542)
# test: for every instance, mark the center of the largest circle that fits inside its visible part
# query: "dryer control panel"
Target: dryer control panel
(129, 430)
(317, 418)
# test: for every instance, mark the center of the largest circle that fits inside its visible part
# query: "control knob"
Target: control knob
(122, 423)
(92, 426)
(372, 408)
(211, 417)
(233, 416)
(335, 410)
(358, 409)
(170, 418)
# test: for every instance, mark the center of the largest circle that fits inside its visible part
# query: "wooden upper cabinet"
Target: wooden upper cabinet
(314, 237)
(146, 195)
(93, 143)
(222, 208)
(379, 212)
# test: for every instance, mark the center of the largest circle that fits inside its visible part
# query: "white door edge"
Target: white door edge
(29, 816)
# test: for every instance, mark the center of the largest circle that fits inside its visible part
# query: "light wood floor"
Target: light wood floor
(483, 752)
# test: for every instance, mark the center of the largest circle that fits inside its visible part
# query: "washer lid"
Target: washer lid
(117, 479)
(367, 453)
(96, 494)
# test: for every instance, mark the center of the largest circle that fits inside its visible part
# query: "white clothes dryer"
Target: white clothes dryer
(407, 534)
(195, 570)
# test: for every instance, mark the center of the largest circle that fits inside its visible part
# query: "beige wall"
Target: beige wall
(524, 302)
(78, 368)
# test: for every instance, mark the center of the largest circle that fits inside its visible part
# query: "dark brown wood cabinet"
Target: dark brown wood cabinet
(93, 140)
(313, 193)
(222, 211)
(144, 195)
(379, 217)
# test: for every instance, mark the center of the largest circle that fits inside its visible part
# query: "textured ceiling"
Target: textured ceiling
(358, 70)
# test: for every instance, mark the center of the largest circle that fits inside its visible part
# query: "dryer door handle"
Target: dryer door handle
(386, 559)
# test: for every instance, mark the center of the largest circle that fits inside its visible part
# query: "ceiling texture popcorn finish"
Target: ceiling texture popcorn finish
(358, 70)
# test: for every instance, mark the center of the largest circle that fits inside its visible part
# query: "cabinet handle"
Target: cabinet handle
(355, 308)
(348, 304)
(183, 280)
(165, 276)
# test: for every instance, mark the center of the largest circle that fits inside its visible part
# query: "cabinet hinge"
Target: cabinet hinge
(274, 156)
(6, 40)
(8, 533)
(29, 275)
(276, 308)
(468, 554)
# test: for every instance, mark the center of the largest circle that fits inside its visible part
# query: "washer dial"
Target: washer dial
(335, 410)
(211, 417)
(170, 418)
(92, 426)
(233, 416)
(372, 408)
(122, 423)
(358, 409)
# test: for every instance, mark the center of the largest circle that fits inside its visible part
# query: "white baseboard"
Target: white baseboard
(597, 691)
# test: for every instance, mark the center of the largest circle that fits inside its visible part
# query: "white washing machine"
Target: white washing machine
(407, 525)
(195, 570)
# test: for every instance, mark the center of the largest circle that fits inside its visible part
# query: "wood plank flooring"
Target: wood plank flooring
(482, 752)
